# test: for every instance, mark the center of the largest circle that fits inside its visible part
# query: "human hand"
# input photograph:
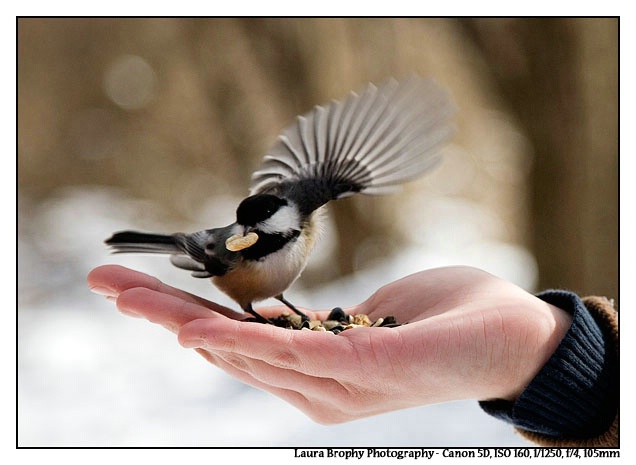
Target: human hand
(469, 335)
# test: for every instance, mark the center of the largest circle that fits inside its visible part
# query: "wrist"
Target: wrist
(574, 394)
(551, 325)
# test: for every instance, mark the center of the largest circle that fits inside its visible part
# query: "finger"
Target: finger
(169, 311)
(319, 408)
(289, 395)
(310, 352)
(261, 375)
(112, 280)
(313, 387)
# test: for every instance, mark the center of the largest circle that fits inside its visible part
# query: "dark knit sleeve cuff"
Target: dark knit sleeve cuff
(575, 394)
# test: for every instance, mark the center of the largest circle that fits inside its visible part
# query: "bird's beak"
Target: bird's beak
(248, 229)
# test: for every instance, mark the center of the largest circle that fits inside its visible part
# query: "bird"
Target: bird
(369, 142)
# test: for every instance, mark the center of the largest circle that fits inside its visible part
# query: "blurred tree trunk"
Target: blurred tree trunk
(560, 78)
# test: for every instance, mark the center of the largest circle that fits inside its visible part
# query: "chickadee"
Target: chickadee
(368, 143)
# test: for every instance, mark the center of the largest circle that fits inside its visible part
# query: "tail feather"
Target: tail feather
(138, 242)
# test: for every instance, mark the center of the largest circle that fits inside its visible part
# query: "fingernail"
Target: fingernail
(106, 292)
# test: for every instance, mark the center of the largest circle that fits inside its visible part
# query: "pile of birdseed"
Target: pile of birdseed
(336, 322)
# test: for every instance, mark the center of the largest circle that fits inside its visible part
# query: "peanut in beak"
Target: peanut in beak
(239, 241)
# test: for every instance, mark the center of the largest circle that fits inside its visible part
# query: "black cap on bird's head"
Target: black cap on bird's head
(258, 208)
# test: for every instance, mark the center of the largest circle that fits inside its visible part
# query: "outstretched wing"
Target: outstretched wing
(367, 143)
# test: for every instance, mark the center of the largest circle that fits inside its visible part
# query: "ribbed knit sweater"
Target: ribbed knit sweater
(573, 400)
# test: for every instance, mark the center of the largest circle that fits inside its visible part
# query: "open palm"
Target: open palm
(466, 335)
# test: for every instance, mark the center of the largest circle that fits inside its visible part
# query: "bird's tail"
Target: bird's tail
(138, 242)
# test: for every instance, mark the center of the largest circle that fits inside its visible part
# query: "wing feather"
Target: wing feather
(367, 143)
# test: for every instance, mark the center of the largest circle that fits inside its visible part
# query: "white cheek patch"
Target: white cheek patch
(285, 219)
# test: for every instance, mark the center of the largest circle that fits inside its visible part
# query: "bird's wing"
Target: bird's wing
(367, 143)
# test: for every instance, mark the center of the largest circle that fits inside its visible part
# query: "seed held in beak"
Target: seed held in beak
(239, 242)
